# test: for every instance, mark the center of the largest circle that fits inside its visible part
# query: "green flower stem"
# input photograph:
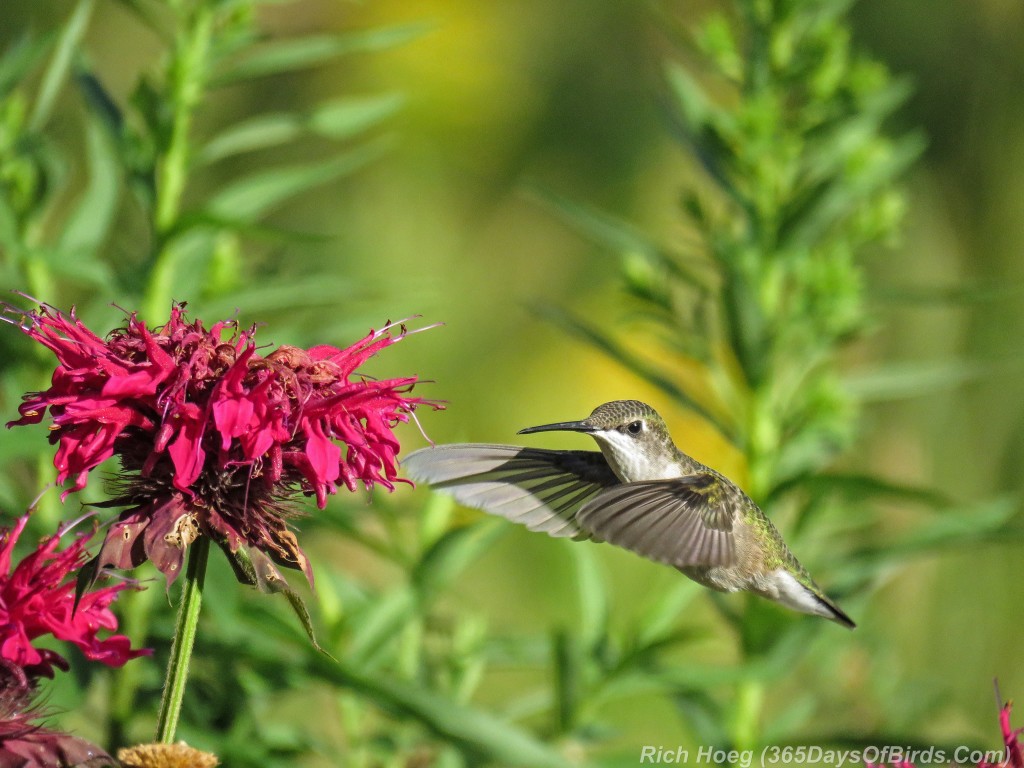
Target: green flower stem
(184, 637)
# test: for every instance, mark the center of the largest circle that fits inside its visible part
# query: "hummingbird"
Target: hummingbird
(639, 492)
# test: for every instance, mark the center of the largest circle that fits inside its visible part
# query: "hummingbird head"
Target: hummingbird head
(632, 437)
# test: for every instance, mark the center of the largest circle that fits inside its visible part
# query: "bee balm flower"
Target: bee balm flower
(214, 439)
(37, 598)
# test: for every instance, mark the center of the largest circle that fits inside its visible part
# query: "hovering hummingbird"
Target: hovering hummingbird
(639, 492)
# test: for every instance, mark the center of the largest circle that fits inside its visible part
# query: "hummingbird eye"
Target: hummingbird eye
(635, 427)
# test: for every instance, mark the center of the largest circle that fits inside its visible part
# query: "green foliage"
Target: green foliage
(399, 687)
(147, 167)
(788, 123)
(150, 199)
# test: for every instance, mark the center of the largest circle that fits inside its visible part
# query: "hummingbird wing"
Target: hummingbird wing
(540, 489)
(683, 522)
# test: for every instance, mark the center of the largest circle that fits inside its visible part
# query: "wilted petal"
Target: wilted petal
(163, 539)
(123, 546)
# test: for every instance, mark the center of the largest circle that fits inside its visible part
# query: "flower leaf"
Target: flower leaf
(249, 135)
(253, 567)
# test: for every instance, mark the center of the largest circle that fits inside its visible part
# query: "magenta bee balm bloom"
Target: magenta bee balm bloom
(37, 598)
(214, 439)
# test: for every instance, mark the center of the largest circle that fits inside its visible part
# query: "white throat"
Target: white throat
(629, 463)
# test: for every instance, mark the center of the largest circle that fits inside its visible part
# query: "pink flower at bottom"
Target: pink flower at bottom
(24, 743)
(37, 598)
(1013, 755)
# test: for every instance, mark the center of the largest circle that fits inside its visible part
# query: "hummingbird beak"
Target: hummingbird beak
(561, 426)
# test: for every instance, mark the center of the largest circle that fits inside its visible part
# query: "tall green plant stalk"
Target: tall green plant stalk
(807, 176)
(799, 186)
(187, 71)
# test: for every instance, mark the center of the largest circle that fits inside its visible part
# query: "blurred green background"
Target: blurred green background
(500, 98)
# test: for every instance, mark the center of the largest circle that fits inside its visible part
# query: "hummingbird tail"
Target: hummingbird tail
(835, 613)
(807, 598)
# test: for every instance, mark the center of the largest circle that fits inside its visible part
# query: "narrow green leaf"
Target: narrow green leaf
(700, 124)
(150, 17)
(343, 118)
(694, 103)
(290, 55)
(568, 673)
(980, 523)
(79, 267)
(842, 195)
(255, 568)
(478, 733)
(452, 554)
(9, 236)
(302, 612)
(633, 363)
(101, 103)
(857, 486)
(257, 133)
(179, 272)
(206, 221)
(379, 624)
(621, 237)
(252, 196)
(658, 621)
(307, 292)
(20, 57)
(339, 119)
(592, 593)
(85, 580)
(793, 718)
(982, 292)
(702, 714)
(56, 73)
(87, 226)
(898, 381)
(435, 519)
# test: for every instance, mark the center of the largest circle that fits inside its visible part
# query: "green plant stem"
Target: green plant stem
(184, 638)
(746, 727)
(187, 75)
